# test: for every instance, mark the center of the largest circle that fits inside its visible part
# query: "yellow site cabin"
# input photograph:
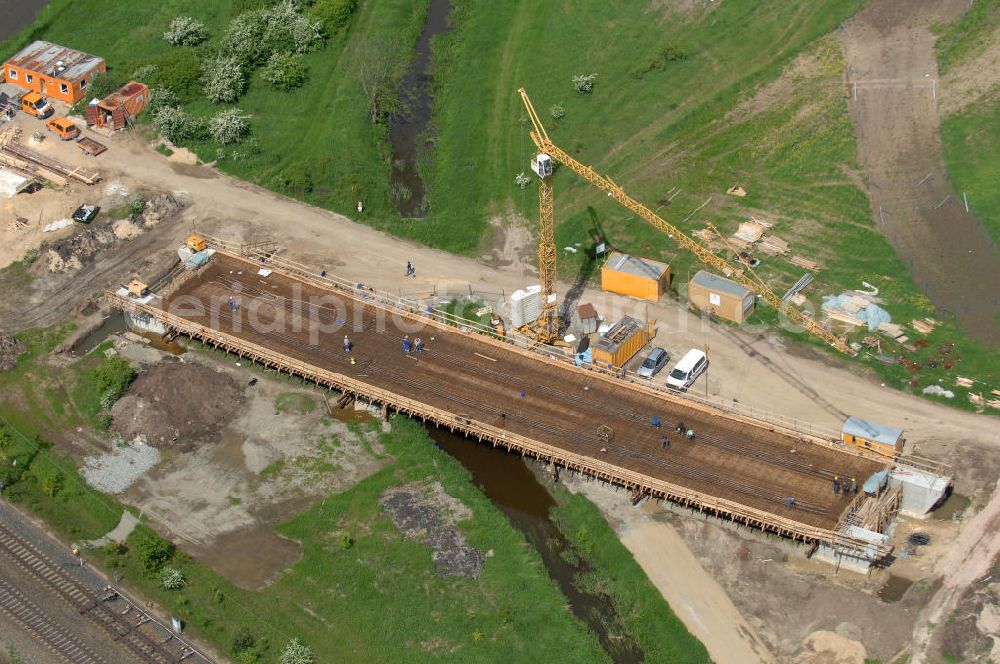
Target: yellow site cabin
(635, 276)
(865, 435)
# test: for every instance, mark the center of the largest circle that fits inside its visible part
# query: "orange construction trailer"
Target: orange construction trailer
(54, 71)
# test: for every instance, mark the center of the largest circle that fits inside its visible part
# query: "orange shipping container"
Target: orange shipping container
(621, 343)
(635, 276)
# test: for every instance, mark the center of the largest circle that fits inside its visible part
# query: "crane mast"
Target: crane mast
(546, 148)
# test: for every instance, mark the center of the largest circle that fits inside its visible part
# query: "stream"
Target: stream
(408, 127)
(512, 487)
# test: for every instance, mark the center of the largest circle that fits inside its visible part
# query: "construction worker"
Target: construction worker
(522, 394)
(790, 502)
(347, 344)
(407, 346)
(418, 344)
(665, 443)
(680, 427)
(836, 485)
(655, 421)
(690, 435)
(854, 486)
(604, 450)
(353, 361)
(410, 270)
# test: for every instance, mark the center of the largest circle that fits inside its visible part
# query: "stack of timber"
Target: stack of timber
(773, 245)
(804, 262)
(54, 165)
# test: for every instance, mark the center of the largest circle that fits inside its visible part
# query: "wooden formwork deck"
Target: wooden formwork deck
(735, 467)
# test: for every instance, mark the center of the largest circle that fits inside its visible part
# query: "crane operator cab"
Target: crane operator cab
(542, 165)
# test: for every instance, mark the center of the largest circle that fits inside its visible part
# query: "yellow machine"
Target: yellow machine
(195, 243)
(548, 324)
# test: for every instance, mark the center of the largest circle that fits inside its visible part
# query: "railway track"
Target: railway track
(36, 622)
(74, 593)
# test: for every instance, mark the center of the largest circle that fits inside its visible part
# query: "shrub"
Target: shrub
(115, 373)
(244, 640)
(296, 179)
(224, 80)
(53, 483)
(186, 31)
(296, 653)
(664, 56)
(346, 542)
(522, 180)
(103, 84)
(162, 98)
(557, 112)
(135, 204)
(178, 70)
(172, 579)
(288, 31)
(284, 71)
(143, 73)
(152, 550)
(229, 126)
(334, 15)
(584, 83)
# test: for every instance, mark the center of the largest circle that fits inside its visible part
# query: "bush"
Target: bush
(288, 31)
(284, 71)
(153, 551)
(664, 56)
(296, 653)
(557, 112)
(143, 73)
(334, 15)
(186, 31)
(229, 126)
(172, 579)
(296, 179)
(584, 83)
(53, 483)
(115, 373)
(135, 204)
(522, 180)
(225, 80)
(244, 640)
(103, 84)
(178, 70)
(162, 98)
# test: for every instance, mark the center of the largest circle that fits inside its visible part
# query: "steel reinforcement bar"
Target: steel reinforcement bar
(634, 481)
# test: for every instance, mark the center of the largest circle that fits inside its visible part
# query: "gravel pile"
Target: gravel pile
(115, 472)
(419, 515)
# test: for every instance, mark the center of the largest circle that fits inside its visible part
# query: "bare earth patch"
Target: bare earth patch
(973, 81)
(427, 514)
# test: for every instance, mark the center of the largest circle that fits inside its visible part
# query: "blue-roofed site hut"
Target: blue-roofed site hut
(53, 71)
(873, 437)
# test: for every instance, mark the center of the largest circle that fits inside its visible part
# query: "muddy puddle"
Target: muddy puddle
(111, 326)
(513, 488)
(894, 588)
(409, 128)
(952, 508)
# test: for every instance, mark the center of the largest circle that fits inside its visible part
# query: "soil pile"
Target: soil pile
(428, 514)
(10, 350)
(176, 404)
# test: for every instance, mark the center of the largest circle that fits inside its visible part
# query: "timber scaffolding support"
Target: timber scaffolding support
(640, 484)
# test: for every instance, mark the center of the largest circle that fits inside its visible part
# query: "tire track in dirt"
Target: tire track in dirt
(890, 53)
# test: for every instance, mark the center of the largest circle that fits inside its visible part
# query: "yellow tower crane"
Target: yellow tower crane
(542, 165)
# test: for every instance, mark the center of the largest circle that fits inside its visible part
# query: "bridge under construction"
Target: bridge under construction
(284, 316)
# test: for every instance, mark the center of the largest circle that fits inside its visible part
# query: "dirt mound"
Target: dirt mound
(176, 403)
(428, 515)
(10, 350)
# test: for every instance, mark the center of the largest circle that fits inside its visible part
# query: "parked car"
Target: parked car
(685, 372)
(86, 213)
(64, 128)
(655, 361)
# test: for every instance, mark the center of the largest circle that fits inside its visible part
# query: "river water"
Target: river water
(408, 128)
(16, 14)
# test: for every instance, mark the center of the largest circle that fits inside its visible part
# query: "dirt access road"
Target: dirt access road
(891, 60)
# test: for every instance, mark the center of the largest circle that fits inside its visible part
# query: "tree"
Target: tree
(186, 31)
(153, 551)
(225, 80)
(376, 66)
(297, 653)
(53, 483)
(229, 126)
(103, 84)
(115, 373)
(172, 579)
(335, 15)
(284, 71)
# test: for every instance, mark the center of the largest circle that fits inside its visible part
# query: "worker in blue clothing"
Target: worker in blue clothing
(836, 485)
(655, 421)
(347, 344)
(665, 443)
(791, 503)
(407, 346)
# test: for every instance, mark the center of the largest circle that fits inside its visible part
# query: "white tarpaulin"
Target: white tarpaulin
(12, 184)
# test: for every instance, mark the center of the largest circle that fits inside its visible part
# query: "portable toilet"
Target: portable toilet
(864, 435)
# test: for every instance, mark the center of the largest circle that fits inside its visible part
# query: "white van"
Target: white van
(688, 369)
